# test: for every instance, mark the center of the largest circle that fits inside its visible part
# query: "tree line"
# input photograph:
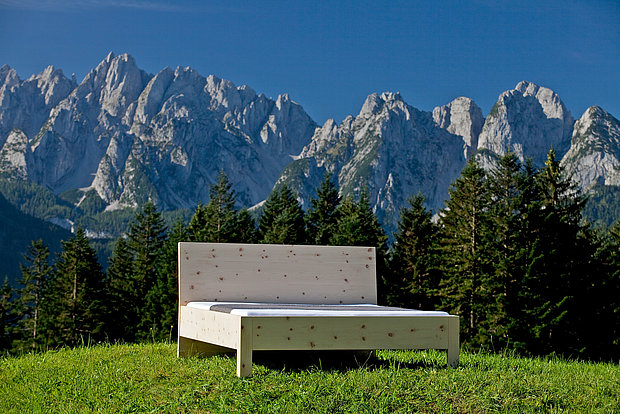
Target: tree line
(510, 254)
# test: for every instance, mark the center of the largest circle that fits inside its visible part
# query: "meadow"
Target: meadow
(149, 378)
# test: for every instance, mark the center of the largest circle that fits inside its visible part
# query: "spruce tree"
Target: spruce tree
(282, 220)
(122, 311)
(75, 295)
(246, 228)
(511, 188)
(162, 303)
(7, 315)
(604, 298)
(36, 275)
(322, 218)
(560, 255)
(146, 238)
(217, 221)
(414, 268)
(358, 225)
(466, 253)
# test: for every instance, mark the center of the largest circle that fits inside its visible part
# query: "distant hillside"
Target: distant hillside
(17, 230)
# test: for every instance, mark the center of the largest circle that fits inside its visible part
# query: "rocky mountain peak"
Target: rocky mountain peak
(53, 84)
(527, 120)
(594, 155)
(8, 76)
(372, 105)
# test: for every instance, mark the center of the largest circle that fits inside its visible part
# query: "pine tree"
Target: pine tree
(560, 255)
(7, 315)
(466, 254)
(358, 225)
(511, 188)
(217, 221)
(282, 220)
(75, 295)
(122, 312)
(162, 300)
(246, 228)
(604, 295)
(322, 218)
(146, 238)
(28, 305)
(414, 267)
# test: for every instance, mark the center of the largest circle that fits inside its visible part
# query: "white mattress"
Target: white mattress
(347, 310)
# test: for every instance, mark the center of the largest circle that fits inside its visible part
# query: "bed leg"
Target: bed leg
(244, 350)
(453, 341)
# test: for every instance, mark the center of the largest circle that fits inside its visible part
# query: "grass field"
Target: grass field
(149, 378)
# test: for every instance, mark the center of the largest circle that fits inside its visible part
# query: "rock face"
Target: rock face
(594, 155)
(132, 136)
(461, 117)
(26, 105)
(393, 149)
(527, 120)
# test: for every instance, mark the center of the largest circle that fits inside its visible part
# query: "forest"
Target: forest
(510, 253)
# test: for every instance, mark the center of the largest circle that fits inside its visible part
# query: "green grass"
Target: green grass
(149, 378)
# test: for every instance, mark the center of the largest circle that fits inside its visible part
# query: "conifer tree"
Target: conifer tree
(146, 238)
(122, 312)
(358, 225)
(604, 298)
(322, 218)
(560, 255)
(36, 275)
(466, 254)
(217, 221)
(246, 227)
(511, 187)
(7, 315)
(160, 313)
(282, 220)
(414, 268)
(75, 295)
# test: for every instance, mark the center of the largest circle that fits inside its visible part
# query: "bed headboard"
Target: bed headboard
(276, 273)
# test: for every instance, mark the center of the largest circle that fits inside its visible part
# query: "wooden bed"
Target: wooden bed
(297, 282)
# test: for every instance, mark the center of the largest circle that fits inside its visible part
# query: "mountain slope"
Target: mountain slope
(393, 149)
(16, 233)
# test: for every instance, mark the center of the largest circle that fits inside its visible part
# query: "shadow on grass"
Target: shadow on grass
(340, 361)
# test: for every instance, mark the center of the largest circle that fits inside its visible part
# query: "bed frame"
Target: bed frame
(218, 272)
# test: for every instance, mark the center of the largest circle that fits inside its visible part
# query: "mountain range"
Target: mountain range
(122, 136)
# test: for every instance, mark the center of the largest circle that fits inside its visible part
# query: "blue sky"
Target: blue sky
(329, 55)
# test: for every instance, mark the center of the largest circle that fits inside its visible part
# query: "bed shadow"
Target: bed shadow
(341, 361)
